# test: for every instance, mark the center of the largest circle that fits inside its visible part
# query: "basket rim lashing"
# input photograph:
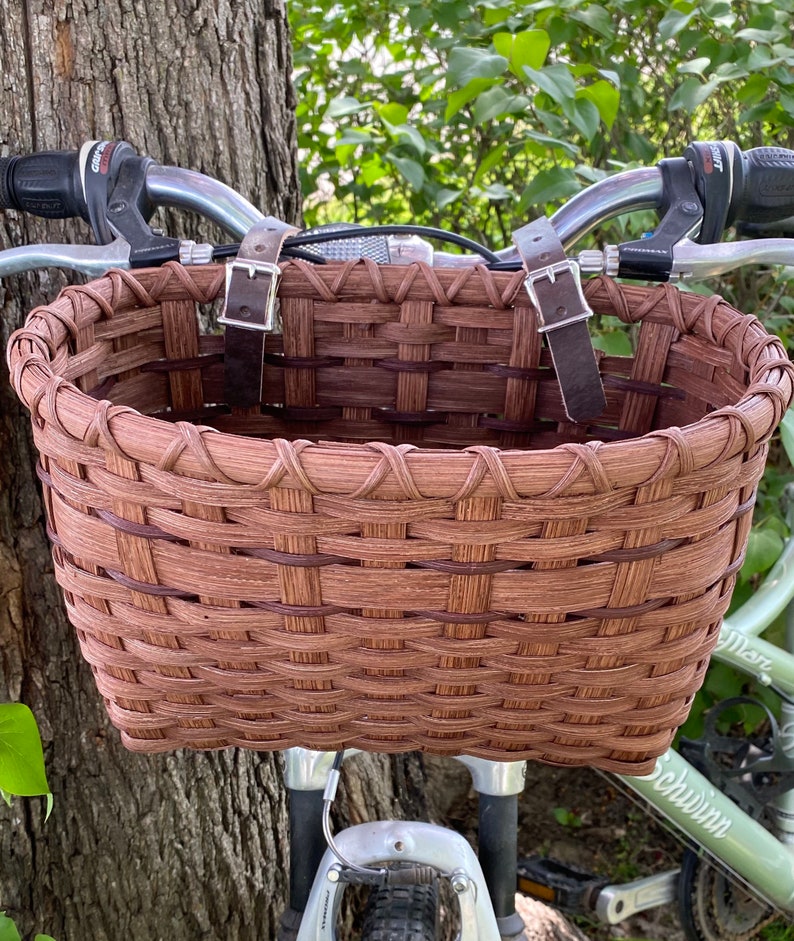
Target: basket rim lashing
(263, 592)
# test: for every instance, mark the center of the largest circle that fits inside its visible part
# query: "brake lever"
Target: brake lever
(691, 260)
(92, 260)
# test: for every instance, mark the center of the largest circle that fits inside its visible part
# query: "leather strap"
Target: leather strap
(555, 290)
(251, 289)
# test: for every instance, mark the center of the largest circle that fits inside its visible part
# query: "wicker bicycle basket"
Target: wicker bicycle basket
(407, 545)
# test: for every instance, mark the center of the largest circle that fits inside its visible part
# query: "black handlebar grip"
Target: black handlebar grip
(44, 184)
(764, 185)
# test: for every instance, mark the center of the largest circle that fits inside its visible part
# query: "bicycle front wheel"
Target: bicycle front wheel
(401, 913)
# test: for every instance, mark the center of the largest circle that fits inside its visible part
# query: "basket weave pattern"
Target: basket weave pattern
(407, 545)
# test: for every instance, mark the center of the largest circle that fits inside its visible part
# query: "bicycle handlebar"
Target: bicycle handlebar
(714, 185)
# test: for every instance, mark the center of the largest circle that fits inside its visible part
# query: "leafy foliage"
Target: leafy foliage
(21, 757)
(21, 773)
(481, 112)
(9, 932)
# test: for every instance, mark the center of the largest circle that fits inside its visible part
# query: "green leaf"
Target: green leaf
(691, 94)
(469, 63)
(492, 103)
(763, 548)
(445, 197)
(584, 116)
(21, 756)
(606, 98)
(405, 134)
(528, 48)
(673, 22)
(551, 144)
(352, 136)
(393, 112)
(43, 937)
(730, 72)
(489, 161)
(764, 36)
(695, 66)
(410, 170)
(787, 434)
(458, 99)
(555, 80)
(497, 192)
(372, 170)
(613, 343)
(344, 105)
(547, 186)
(8, 930)
(596, 18)
(566, 817)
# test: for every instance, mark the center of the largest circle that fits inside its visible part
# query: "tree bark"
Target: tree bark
(185, 846)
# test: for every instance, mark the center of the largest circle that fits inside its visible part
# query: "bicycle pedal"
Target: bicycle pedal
(567, 888)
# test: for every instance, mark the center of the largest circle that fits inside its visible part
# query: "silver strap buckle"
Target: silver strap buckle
(551, 274)
(249, 319)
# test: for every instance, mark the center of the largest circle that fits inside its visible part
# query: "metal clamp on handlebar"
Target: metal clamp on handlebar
(554, 287)
(251, 289)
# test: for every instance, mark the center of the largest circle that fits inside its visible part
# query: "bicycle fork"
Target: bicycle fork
(484, 887)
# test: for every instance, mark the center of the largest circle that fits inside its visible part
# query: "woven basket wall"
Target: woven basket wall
(407, 545)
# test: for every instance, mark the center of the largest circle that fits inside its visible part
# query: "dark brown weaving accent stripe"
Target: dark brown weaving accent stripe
(298, 610)
(531, 374)
(146, 588)
(301, 559)
(301, 362)
(194, 414)
(102, 390)
(746, 507)
(506, 424)
(44, 476)
(175, 365)
(409, 418)
(480, 617)
(146, 530)
(53, 537)
(303, 413)
(407, 365)
(610, 434)
(638, 553)
(470, 568)
(646, 388)
(732, 569)
(630, 612)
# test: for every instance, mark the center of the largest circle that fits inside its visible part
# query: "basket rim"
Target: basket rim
(394, 471)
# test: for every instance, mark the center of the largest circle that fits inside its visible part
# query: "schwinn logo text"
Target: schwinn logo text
(738, 646)
(695, 804)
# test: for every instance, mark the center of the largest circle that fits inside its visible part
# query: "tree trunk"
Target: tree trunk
(185, 846)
